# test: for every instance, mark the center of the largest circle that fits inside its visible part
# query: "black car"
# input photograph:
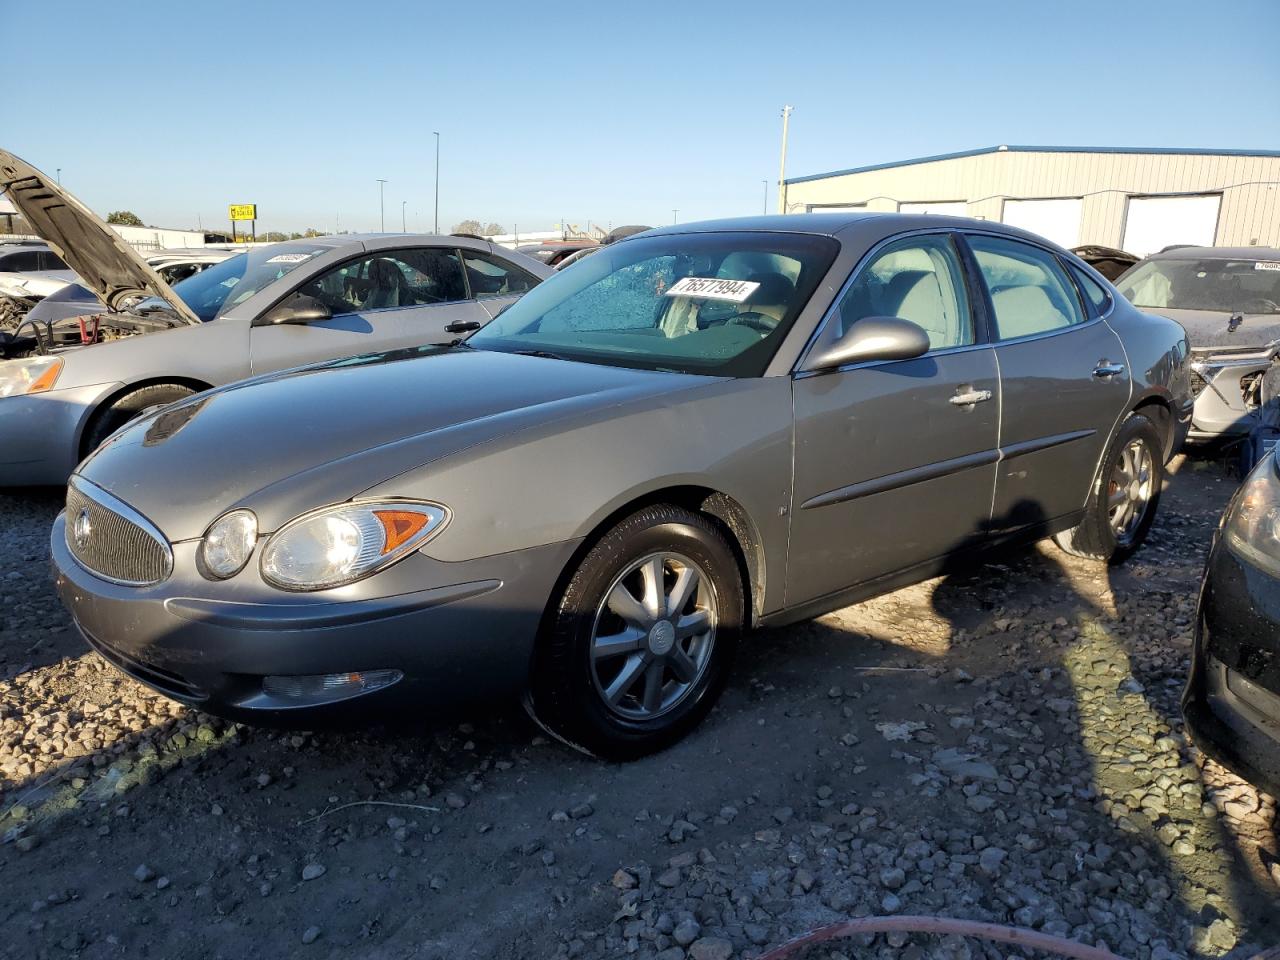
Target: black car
(1232, 700)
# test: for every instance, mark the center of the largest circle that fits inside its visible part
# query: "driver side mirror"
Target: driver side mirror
(297, 309)
(873, 338)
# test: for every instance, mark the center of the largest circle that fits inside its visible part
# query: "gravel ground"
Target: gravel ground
(1001, 744)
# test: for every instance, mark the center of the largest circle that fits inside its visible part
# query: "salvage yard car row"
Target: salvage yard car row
(582, 491)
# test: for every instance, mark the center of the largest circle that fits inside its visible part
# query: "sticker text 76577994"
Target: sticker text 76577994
(713, 288)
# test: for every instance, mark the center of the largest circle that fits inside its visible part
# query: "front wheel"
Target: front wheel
(639, 643)
(1122, 506)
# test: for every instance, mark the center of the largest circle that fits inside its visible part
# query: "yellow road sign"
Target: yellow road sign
(243, 211)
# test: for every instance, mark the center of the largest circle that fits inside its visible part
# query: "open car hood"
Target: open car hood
(108, 266)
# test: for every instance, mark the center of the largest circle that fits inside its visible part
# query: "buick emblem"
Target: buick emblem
(82, 529)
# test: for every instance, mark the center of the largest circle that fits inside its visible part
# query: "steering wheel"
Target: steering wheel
(756, 321)
(1262, 303)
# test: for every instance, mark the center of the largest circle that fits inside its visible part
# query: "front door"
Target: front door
(1063, 377)
(381, 301)
(894, 461)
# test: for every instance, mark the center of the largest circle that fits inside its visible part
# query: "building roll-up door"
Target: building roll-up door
(1153, 223)
(1057, 220)
(943, 208)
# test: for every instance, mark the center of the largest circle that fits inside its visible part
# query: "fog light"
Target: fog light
(329, 686)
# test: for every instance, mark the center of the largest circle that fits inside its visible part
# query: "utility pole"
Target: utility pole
(436, 228)
(59, 176)
(782, 167)
(766, 195)
(402, 206)
(382, 210)
(674, 215)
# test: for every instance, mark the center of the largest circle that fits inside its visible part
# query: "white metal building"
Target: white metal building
(1137, 199)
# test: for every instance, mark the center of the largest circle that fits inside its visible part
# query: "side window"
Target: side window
(491, 277)
(24, 261)
(1093, 291)
(394, 278)
(918, 279)
(51, 261)
(1029, 292)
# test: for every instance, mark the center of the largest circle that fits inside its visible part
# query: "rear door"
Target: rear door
(494, 281)
(1063, 379)
(895, 461)
(380, 301)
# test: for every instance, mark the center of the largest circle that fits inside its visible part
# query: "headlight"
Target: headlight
(341, 544)
(228, 544)
(29, 376)
(1252, 526)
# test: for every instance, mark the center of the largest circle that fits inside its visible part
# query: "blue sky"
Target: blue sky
(609, 112)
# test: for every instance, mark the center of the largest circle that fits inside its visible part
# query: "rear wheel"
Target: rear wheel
(136, 403)
(639, 644)
(1122, 506)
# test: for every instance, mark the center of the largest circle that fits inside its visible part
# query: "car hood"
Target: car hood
(291, 441)
(1211, 328)
(106, 264)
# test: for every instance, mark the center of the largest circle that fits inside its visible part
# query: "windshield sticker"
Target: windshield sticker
(288, 258)
(712, 288)
(1266, 265)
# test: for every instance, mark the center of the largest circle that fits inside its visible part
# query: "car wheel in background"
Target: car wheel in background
(1123, 504)
(132, 405)
(638, 645)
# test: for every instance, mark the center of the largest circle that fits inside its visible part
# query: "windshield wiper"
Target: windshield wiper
(540, 353)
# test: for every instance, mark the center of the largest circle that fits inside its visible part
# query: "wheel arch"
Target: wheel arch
(724, 511)
(1158, 408)
(87, 423)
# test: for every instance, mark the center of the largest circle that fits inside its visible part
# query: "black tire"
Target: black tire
(132, 405)
(1094, 538)
(564, 696)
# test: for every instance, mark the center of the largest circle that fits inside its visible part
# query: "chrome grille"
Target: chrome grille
(110, 539)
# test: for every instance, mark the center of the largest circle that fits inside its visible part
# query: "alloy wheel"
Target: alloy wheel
(653, 636)
(1129, 490)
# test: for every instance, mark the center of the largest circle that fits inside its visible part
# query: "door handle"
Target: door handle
(462, 326)
(1105, 370)
(968, 398)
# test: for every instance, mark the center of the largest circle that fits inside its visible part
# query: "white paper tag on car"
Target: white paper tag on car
(713, 288)
(289, 257)
(1266, 265)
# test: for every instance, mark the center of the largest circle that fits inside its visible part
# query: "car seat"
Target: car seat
(387, 286)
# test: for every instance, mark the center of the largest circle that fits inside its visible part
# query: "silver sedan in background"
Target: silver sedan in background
(690, 433)
(71, 383)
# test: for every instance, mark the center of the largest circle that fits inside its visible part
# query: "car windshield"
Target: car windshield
(712, 303)
(213, 292)
(1231, 286)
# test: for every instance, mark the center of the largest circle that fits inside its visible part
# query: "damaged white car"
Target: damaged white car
(67, 384)
(1228, 301)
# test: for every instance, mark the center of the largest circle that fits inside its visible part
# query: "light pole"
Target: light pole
(436, 227)
(382, 210)
(402, 226)
(782, 166)
(766, 195)
(59, 176)
(674, 214)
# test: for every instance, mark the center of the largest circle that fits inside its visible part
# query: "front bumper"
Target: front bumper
(1220, 407)
(457, 632)
(40, 434)
(1232, 699)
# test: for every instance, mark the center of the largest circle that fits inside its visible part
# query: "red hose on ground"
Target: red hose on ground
(1018, 936)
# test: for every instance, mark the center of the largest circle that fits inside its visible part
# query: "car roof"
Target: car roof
(852, 226)
(1218, 253)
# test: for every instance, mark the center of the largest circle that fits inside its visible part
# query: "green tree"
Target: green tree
(468, 226)
(126, 218)
(492, 230)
